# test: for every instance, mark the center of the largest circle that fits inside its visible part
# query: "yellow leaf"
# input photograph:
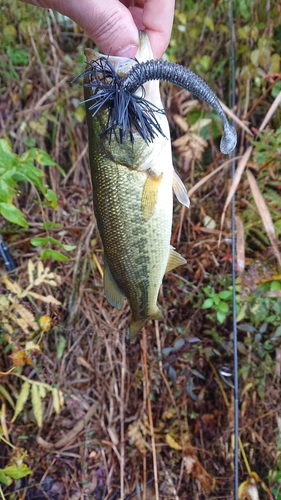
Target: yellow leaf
(61, 398)
(37, 404)
(31, 346)
(42, 390)
(45, 323)
(56, 400)
(3, 421)
(22, 398)
(31, 269)
(27, 316)
(49, 299)
(172, 443)
(11, 286)
(4, 303)
(248, 490)
(20, 358)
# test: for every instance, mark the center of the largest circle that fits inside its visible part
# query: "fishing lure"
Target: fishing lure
(129, 112)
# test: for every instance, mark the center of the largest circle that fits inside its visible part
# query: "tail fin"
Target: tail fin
(136, 326)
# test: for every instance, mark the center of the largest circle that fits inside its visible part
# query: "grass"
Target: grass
(159, 408)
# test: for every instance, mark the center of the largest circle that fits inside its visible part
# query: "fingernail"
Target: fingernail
(129, 51)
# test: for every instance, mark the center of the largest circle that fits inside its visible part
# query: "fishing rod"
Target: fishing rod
(6, 256)
(233, 251)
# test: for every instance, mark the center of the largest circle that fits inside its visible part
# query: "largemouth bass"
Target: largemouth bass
(133, 204)
(132, 172)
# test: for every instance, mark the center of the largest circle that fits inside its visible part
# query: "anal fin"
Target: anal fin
(180, 190)
(112, 292)
(175, 260)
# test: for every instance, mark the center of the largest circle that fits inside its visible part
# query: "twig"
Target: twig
(144, 351)
(71, 435)
(122, 416)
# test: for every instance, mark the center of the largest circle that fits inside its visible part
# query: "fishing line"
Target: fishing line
(233, 251)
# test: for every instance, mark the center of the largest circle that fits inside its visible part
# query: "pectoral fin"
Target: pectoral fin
(112, 292)
(175, 260)
(180, 190)
(149, 196)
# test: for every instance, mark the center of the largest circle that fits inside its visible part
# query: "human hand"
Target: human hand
(113, 25)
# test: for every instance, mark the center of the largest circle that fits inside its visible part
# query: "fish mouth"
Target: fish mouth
(122, 83)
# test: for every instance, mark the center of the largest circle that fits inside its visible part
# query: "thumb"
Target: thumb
(108, 22)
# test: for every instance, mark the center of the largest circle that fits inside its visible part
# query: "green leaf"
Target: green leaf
(223, 307)
(61, 346)
(275, 285)
(5, 479)
(48, 225)
(221, 317)
(216, 299)
(207, 304)
(17, 471)
(48, 253)
(6, 191)
(225, 294)
(209, 291)
(6, 394)
(5, 147)
(68, 248)
(22, 398)
(39, 155)
(39, 242)
(52, 198)
(37, 404)
(13, 214)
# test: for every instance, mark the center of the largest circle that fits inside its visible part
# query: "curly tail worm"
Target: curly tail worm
(184, 78)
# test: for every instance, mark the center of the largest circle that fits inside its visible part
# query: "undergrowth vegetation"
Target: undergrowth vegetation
(83, 413)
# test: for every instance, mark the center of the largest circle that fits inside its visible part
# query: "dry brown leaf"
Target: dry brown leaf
(21, 358)
(181, 122)
(240, 245)
(183, 140)
(235, 182)
(113, 435)
(264, 213)
(235, 118)
(205, 179)
(271, 111)
(193, 466)
(136, 434)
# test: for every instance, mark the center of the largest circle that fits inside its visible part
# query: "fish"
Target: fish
(133, 180)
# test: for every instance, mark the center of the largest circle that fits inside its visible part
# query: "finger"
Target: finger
(156, 18)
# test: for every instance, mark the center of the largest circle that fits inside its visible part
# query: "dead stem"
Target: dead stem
(122, 417)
